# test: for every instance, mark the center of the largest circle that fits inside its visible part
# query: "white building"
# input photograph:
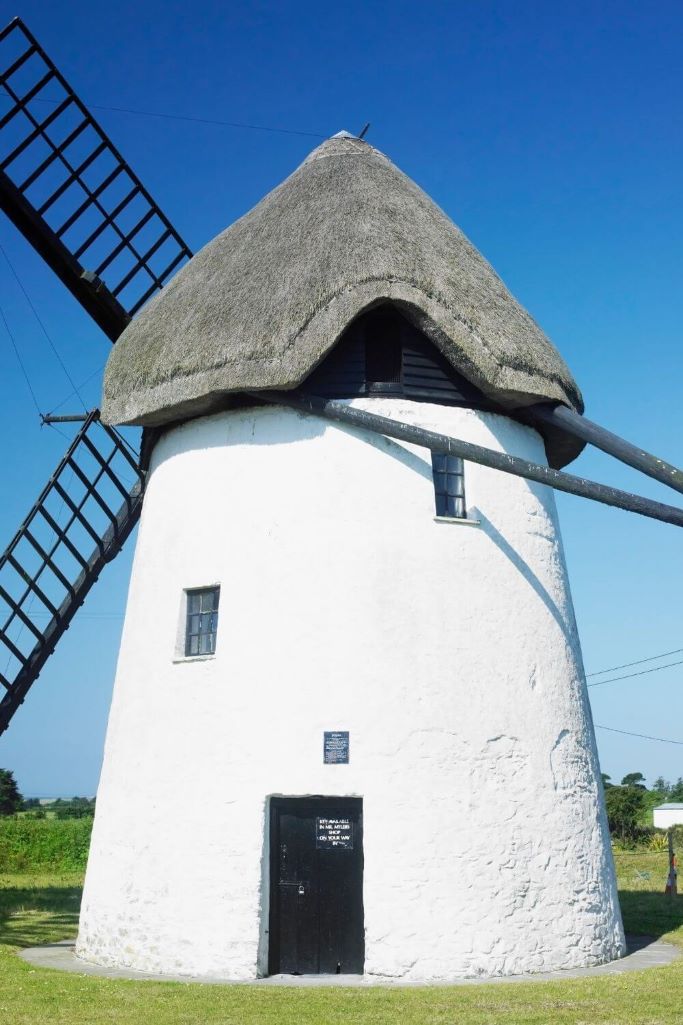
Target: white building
(666, 815)
(350, 728)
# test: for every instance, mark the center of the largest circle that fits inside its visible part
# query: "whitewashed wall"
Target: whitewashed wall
(450, 653)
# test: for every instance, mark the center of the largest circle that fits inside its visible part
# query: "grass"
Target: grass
(43, 908)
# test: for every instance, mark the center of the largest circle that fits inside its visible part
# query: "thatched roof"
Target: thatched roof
(262, 304)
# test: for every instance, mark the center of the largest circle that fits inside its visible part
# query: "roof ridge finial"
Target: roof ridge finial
(349, 135)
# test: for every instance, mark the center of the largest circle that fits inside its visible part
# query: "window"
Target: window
(449, 486)
(202, 621)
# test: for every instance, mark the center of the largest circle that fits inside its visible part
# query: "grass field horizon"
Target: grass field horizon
(42, 907)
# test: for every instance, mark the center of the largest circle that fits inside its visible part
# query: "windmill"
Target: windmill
(236, 372)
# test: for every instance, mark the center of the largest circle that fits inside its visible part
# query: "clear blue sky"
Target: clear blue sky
(550, 133)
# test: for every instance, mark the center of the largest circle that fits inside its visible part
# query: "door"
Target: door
(316, 887)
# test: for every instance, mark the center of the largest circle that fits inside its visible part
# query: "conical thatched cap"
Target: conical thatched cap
(262, 304)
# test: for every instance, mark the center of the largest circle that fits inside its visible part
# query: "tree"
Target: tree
(676, 790)
(76, 808)
(11, 800)
(624, 808)
(606, 780)
(661, 786)
(634, 779)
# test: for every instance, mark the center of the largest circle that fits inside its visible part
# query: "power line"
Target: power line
(187, 117)
(643, 672)
(19, 360)
(643, 736)
(640, 661)
(41, 325)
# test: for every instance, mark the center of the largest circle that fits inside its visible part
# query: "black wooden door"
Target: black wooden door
(316, 890)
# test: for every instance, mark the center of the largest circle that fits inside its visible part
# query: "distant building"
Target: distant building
(666, 815)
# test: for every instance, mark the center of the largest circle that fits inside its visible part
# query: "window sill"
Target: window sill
(193, 658)
(464, 521)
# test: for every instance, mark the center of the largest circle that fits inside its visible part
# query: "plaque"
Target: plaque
(336, 747)
(333, 834)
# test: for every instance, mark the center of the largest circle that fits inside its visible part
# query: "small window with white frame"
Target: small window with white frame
(449, 486)
(201, 622)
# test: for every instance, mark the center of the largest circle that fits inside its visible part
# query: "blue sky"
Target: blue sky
(550, 133)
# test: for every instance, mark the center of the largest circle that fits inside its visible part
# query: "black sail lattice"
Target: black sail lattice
(70, 192)
(80, 522)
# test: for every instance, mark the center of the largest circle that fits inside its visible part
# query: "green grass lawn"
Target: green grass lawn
(38, 909)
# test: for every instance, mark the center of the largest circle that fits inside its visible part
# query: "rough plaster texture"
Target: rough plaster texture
(449, 651)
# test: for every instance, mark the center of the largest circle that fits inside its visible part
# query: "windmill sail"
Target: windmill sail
(80, 523)
(72, 195)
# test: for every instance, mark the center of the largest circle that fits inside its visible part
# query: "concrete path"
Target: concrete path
(643, 952)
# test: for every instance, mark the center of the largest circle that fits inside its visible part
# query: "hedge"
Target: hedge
(57, 844)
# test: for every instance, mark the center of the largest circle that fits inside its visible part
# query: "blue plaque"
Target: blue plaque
(336, 747)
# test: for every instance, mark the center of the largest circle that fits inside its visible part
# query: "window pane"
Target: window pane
(454, 485)
(207, 644)
(193, 647)
(194, 599)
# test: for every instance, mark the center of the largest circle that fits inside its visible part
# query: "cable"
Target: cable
(59, 431)
(124, 441)
(186, 117)
(640, 661)
(41, 325)
(74, 392)
(644, 736)
(19, 360)
(643, 672)
(207, 121)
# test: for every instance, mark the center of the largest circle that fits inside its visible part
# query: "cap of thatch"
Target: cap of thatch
(261, 305)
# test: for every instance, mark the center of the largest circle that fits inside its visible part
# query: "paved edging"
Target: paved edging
(643, 952)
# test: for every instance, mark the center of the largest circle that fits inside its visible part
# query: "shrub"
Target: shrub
(658, 841)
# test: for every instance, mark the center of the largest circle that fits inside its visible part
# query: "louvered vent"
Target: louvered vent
(382, 353)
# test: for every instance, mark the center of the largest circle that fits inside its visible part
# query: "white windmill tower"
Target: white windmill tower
(350, 701)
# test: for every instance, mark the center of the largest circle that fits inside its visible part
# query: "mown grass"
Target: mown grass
(43, 908)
